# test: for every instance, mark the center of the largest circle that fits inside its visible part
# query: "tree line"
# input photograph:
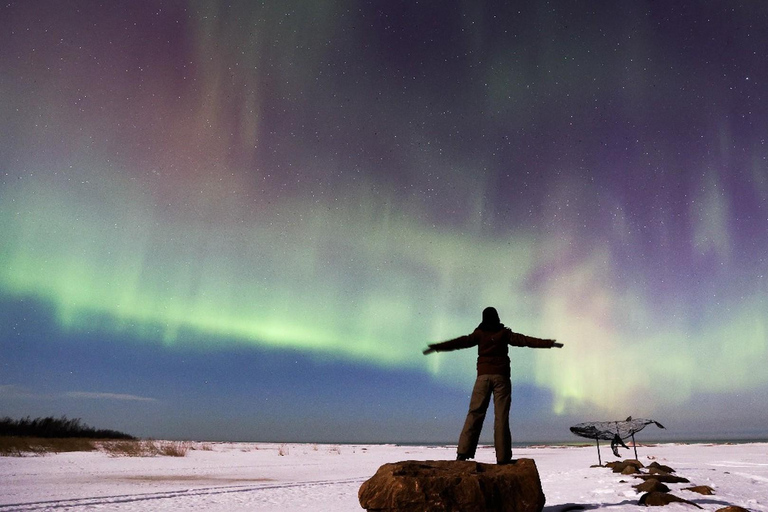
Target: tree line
(51, 427)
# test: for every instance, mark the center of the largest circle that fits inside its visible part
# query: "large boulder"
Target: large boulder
(448, 486)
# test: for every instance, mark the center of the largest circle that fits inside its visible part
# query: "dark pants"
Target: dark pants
(501, 388)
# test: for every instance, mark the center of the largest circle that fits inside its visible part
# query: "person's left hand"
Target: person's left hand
(557, 345)
(428, 351)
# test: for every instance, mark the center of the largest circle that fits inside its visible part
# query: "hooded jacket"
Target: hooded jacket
(492, 342)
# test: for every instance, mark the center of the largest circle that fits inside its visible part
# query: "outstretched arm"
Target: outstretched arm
(447, 346)
(521, 340)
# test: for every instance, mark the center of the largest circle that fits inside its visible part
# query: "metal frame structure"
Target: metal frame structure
(613, 431)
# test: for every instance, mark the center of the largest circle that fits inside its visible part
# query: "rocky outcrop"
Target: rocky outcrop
(656, 493)
(447, 486)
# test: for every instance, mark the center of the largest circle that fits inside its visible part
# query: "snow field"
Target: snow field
(229, 477)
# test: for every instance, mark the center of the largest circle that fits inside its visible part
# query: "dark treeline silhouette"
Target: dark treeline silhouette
(51, 427)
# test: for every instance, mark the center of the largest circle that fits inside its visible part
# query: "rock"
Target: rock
(667, 479)
(732, 508)
(662, 467)
(701, 489)
(660, 499)
(620, 466)
(432, 486)
(651, 485)
(629, 470)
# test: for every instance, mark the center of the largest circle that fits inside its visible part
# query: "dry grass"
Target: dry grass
(147, 448)
(15, 446)
(126, 448)
(174, 448)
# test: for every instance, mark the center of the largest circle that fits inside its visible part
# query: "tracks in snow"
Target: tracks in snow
(186, 493)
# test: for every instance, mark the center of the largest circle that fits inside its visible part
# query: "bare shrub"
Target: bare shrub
(15, 446)
(19, 446)
(145, 448)
(282, 450)
(74, 444)
(126, 448)
(174, 449)
(335, 450)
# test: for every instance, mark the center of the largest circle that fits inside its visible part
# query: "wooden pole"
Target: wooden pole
(599, 460)
(634, 445)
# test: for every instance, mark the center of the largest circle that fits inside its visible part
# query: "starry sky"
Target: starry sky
(244, 220)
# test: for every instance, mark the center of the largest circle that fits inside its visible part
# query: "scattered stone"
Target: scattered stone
(660, 499)
(620, 466)
(661, 467)
(701, 489)
(667, 479)
(651, 485)
(453, 486)
(732, 508)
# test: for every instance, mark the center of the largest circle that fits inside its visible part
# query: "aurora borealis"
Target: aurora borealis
(320, 189)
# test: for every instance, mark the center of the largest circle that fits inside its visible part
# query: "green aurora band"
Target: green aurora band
(364, 283)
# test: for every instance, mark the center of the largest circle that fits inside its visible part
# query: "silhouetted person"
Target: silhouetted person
(492, 340)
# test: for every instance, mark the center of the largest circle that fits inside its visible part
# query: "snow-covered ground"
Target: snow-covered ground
(229, 477)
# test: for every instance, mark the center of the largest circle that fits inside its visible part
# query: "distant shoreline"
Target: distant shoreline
(516, 444)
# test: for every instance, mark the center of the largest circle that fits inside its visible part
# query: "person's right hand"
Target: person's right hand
(557, 345)
(428, 351)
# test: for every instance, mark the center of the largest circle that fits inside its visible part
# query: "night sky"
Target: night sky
(244, 220)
